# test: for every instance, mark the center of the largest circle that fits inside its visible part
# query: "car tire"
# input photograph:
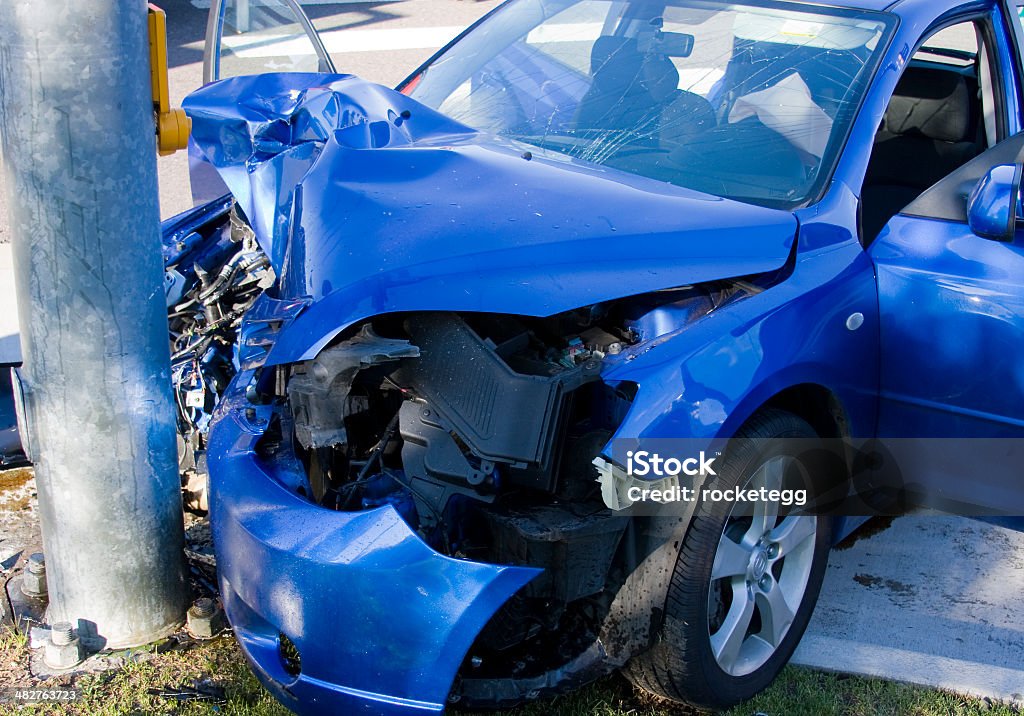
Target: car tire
(692, 659)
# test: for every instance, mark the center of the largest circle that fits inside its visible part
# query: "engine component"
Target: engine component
(575, 550)
(319, 393)
(213, 276)
(435, 464)
(501, 416)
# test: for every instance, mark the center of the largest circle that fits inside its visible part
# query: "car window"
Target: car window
(943, 113)
(538, 78)
(269, 36)
(569, 36)
(959, 47)
(956, 45)
(742, 101)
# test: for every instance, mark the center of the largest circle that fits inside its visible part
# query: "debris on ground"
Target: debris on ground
(200, 690)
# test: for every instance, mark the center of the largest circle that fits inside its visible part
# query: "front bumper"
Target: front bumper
(381, 621)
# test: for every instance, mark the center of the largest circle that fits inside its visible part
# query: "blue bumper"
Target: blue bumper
(380, 620)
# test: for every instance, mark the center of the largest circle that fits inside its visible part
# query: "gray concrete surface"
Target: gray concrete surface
(933, 600)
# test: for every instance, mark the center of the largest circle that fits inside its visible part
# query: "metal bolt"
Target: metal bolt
(765, 584)
(773, 551)
(204, 607)
(614, 349)
(33, 580)
(37, 563)
(62, 633)
(205, 619)
(63, 649)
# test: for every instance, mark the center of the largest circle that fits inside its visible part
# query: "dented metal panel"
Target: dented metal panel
(328, 581)
(368, 202)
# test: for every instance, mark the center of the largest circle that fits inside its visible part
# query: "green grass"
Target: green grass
(798, 692)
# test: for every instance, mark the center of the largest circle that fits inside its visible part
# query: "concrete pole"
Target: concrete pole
(77, 132)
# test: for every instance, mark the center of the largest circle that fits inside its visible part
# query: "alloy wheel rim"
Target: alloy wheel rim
(760, 574)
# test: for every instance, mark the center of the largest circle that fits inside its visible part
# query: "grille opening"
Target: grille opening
(289, 653)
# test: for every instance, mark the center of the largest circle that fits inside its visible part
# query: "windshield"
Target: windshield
(750, 103)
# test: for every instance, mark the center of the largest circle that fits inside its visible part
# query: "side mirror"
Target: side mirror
(995, 203)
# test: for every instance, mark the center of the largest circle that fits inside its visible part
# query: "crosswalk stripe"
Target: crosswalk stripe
(342, 41)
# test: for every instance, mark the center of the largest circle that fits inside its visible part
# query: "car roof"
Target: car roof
(864, 4)
(890, 5)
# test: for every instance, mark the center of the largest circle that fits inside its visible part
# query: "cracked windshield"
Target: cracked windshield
(749, 103)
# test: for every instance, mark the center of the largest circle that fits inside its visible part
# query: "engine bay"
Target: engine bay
(479, 429)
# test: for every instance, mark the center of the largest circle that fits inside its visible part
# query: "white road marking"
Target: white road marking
(253, 45)
(10, 345)
(205, 4)
(267, 44)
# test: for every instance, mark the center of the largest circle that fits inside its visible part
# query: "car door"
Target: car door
(951, 301)
(951, 305)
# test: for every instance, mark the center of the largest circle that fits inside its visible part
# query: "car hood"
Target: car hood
(368, 202)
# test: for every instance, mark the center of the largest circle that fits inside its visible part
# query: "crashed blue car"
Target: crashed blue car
(418, 328)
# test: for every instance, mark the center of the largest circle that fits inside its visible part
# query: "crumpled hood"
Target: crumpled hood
(369, 202)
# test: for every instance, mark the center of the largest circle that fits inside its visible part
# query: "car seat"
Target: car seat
(931, 128)
(631, 90)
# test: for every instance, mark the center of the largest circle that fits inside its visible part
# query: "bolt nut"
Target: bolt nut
(62, 633)
(37, 563)
(205, 619)
(63, 649)
(204, 607)
(33, 579)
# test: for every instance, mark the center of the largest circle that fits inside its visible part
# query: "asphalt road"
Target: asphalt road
(428, 20)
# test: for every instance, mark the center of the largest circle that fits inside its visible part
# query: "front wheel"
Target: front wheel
(744, 585)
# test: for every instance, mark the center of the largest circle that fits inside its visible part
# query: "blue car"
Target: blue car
(434, 344)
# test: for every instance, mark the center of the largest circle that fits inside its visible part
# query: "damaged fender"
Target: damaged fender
(326, 581)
